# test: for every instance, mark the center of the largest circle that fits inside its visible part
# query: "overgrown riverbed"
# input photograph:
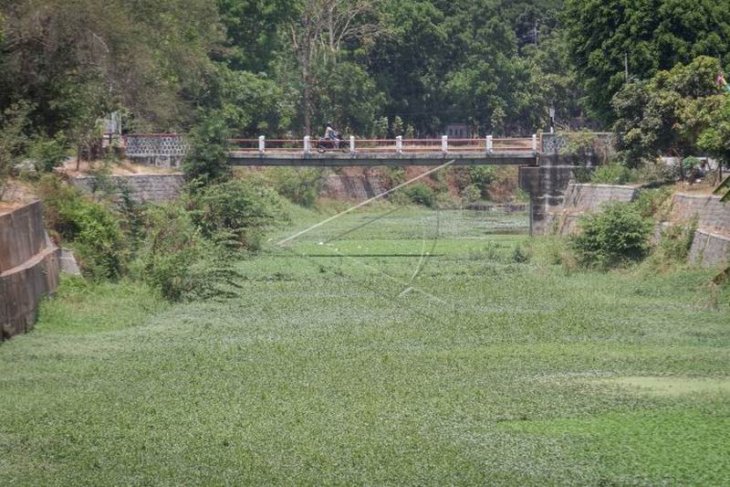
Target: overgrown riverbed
(389, 347)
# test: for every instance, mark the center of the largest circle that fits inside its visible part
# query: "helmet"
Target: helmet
(329, 124)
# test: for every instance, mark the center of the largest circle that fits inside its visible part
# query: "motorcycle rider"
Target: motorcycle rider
(331, 139)
(329, 132)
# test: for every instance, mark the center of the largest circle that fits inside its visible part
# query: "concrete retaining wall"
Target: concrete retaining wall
(711, 244)
(152, 188)
(162, 150)
(29, 268)
(580, 199)
(338, 186)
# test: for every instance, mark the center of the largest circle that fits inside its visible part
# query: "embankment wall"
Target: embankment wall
(143, 188)
(580, 199)
(29, 268)
(711, 243)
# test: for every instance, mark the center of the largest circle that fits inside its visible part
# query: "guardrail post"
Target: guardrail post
(352, 143)
(534, 142)
(307, 144)
(490, 143)
(444, 143)
(399, 144)
(262, 144)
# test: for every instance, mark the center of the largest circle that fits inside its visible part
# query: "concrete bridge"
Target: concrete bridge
(385, 152)
(544, 170)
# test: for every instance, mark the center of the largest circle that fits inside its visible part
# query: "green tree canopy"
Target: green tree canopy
(645, 36)
(669, 112)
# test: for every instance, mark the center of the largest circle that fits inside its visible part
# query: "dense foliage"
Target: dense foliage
(277, 67)
(612, 40)
(90, 227)
(373, 67)
(616, 235)
(178, 261)
(670, 113)
(236, 213)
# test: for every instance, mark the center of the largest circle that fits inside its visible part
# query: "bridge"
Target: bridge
(544, 171)
(169, 149)
(382, 152)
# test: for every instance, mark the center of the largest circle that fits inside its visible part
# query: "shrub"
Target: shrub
(650, 202)
(482, 177)
(178, 262)
(657, 173)
(300, 186)
(207, 158)
(520, 254)
(675, 242)
(471, 193)
(13, 141)
(48, 153)
(90, 227)
(236, 213)
(421, 194)
(612, 174)
(612, 237)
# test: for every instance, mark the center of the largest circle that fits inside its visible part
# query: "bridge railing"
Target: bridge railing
(399, 145)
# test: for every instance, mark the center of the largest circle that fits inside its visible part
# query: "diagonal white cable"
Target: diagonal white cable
(392, 278)
(366, 202)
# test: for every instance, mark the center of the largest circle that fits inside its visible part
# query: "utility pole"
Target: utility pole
(626, 66)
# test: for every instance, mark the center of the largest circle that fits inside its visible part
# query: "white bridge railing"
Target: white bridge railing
(175, 145)
(399, 145)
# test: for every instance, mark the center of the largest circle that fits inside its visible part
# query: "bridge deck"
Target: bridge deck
(341, 159)
(352, 152)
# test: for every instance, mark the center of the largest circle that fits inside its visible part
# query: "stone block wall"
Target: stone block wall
(29, 268)
(144, 188)
(580, 199)
(163, 150)
(338, 186)
(711, 244)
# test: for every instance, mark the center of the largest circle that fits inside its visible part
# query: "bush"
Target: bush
(13, 141)
(48, 153)
(179, 262)
(471, 193)
(612, 174)
(675, 243)
(236, 213)
(421, 194)
(482, 177)
(617, 235)
(207, 158)
(520, 254)
(657, 173)
(300, 186)
(651, 202)
(91, 228)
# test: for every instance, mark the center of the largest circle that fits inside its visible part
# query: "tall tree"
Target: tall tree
(669, 112)
(75, 60)
(610, 38)
(318, 35)
(252, 29)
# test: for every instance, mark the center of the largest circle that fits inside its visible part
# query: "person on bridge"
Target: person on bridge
(329, 132)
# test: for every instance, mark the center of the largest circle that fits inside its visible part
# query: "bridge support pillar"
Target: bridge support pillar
(546, 185)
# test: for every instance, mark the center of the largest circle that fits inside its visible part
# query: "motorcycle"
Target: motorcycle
(329, 144)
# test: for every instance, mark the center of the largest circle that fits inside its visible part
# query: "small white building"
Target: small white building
(458, 131)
